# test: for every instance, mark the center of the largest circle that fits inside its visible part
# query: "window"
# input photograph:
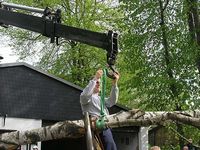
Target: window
(127, 141)
(122, 140)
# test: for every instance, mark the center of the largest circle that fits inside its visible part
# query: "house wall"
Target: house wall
(19, 123)
(126, 140)
(133, 138)
(65, 144)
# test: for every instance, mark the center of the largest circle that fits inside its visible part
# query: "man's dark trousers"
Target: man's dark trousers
(107, 140)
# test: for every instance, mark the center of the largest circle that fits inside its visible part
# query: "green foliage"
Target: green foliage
(145, 66)
(147, 81)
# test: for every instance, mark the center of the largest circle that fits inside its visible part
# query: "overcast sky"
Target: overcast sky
(5, 51)
(7, 54)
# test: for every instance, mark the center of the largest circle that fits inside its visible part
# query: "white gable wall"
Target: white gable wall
(143, 138)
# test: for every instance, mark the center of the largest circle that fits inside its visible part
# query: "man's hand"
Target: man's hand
(93, 123)
(98, 74)
(116, 75)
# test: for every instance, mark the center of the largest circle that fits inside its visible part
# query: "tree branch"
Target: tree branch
(75, 129)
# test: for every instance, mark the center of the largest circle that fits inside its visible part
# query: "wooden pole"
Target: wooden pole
(89, 139)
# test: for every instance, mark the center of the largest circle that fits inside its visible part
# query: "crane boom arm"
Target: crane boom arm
(48, 28)
(51, 28)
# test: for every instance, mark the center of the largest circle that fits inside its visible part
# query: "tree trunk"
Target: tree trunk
(66, 129)
(75, 129)
(194, 26)
(168, 61)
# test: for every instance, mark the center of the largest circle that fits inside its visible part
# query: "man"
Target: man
(185, 148)
(155, 148)
(35, 147)
(190, 145)
(90, 102)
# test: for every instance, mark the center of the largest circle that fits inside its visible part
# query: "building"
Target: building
(31, 98)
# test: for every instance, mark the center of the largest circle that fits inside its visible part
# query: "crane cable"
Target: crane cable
(100, 124)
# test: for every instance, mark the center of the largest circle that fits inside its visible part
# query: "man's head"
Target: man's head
(190, 140)
(155, 148)
(97, 86)
(35, 147)
(185, 148)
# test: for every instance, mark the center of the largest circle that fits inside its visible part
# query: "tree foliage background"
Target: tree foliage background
(159, 50)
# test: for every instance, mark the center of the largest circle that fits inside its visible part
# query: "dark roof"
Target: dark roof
(27, 92)
(40, 71)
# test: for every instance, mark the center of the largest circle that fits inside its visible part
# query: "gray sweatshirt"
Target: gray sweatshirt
(91, 102)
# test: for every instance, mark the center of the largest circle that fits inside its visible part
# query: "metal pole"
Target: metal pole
(22, 7)
(89, 140)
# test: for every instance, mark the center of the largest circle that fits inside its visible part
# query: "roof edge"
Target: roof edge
(40, 71)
